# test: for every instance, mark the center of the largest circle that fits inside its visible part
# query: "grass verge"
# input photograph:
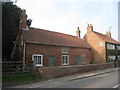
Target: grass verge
(18, 78)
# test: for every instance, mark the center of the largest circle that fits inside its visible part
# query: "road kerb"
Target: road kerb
(91, 75)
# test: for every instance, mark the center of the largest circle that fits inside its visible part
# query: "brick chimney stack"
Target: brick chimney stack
(108, 34)
(78, 32)
(89, 28)
(23, 20)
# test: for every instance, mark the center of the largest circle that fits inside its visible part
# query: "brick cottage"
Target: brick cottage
(104, 47)
(48, 48)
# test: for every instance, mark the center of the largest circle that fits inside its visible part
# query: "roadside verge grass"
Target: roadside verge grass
(18, 78)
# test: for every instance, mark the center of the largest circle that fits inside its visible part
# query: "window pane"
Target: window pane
(66, 61)
(65, 58)
(39, 59)
(65, 49)
(62, 59)
(36, 59)
(83, 59)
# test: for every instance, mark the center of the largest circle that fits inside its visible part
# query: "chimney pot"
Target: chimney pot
(88, 24)
(78, 32)
(90, 28)
(108, 34)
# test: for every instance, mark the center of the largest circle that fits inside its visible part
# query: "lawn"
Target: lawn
(19, 78)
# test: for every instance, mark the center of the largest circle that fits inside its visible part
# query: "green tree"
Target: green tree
(10, 27)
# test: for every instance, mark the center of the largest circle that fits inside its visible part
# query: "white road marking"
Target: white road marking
(85, 75)
(92, 75)
(101, 75)
(116, 86)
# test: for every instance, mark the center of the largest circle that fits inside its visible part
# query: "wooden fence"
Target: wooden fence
(11, 67)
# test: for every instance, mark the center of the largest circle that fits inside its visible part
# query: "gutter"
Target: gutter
(37, 43)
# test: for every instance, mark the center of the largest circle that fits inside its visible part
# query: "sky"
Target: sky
(65, 16)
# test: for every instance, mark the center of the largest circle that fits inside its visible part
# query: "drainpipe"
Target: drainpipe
(106, 51)
(116, 54)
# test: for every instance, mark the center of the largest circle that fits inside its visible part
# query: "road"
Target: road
(108, 80)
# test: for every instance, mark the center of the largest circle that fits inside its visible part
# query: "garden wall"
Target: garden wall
(54, 72)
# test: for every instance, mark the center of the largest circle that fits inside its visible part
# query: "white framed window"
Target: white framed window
(110, 46)
(38, 58)
(118, 47)
(83, 59)
(111, 58)
(65, 49)
(65, 59)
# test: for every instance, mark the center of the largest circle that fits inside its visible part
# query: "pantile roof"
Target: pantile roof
(106, 38)
(41, 36)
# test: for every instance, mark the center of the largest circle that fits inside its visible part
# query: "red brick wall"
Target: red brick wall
(98, 52)
(57, 52)
(79, 52)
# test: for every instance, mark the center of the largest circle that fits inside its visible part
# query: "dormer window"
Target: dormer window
(65, 49)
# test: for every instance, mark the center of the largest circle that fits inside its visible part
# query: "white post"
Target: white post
(24, 57)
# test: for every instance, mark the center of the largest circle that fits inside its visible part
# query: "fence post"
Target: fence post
(34, 66)
(24, 57)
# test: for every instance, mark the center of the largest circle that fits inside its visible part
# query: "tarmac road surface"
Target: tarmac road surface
(107, 78)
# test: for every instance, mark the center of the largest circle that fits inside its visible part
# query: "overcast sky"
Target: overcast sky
(66, 15)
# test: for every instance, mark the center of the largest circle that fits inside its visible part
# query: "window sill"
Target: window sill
(39, 65)
(111, 49)
(65, 64)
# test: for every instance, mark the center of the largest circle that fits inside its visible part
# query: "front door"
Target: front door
(76, 60)
(51, 61)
